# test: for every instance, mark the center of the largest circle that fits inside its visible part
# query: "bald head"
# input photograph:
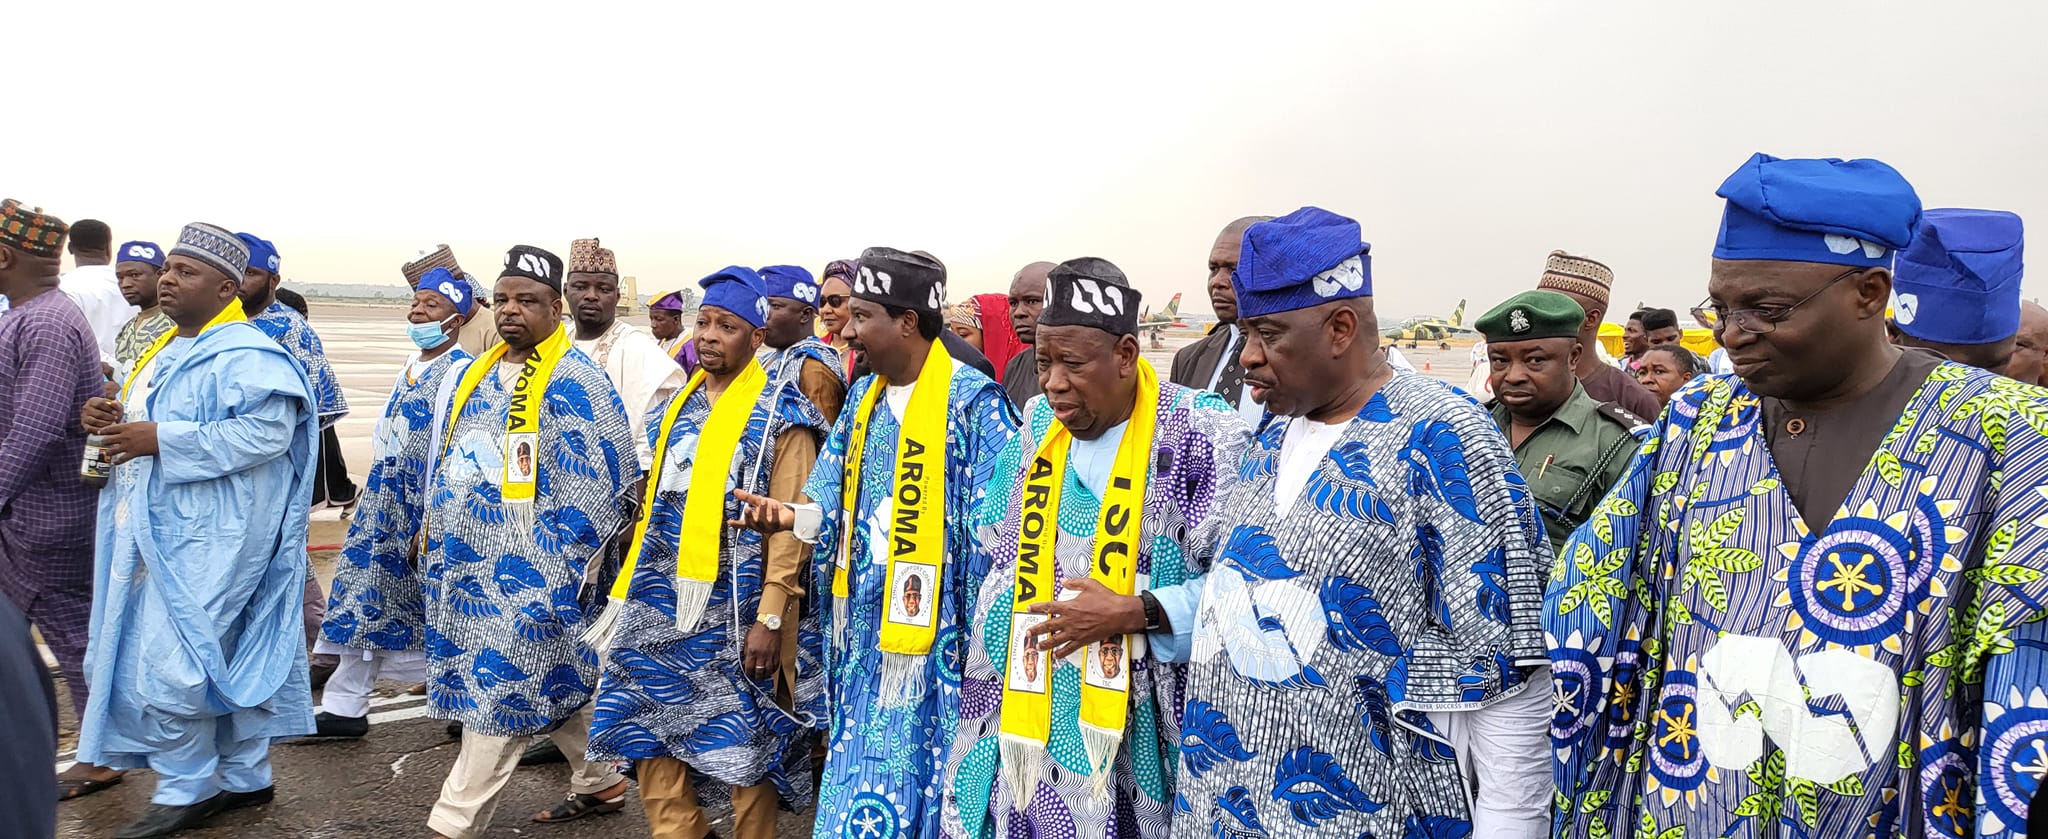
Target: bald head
(1223, 256)
(1027, 299)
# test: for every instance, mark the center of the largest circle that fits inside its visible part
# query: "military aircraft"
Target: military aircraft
(1169, 316)
(1432, 328)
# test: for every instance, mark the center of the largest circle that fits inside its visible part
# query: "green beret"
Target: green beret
(1532, 315)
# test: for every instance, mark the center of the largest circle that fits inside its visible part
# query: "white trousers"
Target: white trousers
(348, 691)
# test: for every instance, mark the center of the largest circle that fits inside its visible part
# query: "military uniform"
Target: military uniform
(1574, 458)
(1579, 453)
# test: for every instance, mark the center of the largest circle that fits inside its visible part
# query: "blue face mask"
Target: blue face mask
(427, 336)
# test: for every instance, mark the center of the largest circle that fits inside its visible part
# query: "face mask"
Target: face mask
(427, 336)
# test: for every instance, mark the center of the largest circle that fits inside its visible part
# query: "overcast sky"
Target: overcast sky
(1469, 139)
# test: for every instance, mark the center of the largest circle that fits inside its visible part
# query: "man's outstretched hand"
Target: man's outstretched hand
(762, 514)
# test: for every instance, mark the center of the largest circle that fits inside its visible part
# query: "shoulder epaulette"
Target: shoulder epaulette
(1621, 416)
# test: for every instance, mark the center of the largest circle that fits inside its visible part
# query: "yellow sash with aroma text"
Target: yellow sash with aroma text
(703, 533)
(1105, 681)
(230, 313)
(522, 421)
(916, 545)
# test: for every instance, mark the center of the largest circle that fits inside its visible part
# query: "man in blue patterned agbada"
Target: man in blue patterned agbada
(707, 687)
(535, 477)
(1367, 658)
(1813, 606)
(376, 622)
(891, 507)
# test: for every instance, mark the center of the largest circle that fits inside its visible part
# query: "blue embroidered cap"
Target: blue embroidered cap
(1959, 281)
(1838, 212)
(262, 254)
(740, 291)
(1306, 258)
(214, 246)
(140, 252)
(791, 282)
(457, 290)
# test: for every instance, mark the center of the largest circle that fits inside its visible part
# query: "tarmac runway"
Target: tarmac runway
(385, 784)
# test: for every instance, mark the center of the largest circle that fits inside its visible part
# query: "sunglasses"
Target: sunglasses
(833, 300)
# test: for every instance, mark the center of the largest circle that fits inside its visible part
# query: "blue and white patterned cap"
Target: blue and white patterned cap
(214, 246)
(455, 289)
(1306, 258)
(262, 254)
(791, 282)
(148, 252)
(738, 290)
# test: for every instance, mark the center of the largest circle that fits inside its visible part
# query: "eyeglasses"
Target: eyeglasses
(833, 300)
(1758, 321)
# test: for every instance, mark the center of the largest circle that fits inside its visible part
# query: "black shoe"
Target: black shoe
(337, 727)
(256, 798)
(164, 819)
(542, 752)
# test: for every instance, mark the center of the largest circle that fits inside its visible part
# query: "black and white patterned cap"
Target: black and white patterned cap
(905, 280)
(534, 264)
(1090, 292)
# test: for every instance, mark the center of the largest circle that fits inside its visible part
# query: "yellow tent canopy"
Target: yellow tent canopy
(1700, 341)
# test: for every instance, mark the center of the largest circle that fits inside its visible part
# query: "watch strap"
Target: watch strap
(1152, 610)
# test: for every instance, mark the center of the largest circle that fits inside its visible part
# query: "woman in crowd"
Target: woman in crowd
(835, 287)
(1665, 368)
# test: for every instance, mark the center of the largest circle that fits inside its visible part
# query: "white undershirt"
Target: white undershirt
(1504, 748)
(1093, 460)
(1302, 448)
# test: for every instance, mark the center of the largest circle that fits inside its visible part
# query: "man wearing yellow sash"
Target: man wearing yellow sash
(510, 540)
(1111, 470)
(702, 674)
(197, 662)
(898, 485)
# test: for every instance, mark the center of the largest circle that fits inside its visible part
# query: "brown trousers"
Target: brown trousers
(672, 811)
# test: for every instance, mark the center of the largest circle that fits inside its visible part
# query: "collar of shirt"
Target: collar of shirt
(1092, 460)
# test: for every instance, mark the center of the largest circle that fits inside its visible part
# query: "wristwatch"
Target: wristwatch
(772, 621)
(1152, 611)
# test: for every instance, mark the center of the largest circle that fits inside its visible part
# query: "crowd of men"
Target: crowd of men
(1289, 589)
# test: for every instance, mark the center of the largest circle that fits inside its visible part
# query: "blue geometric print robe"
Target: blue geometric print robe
(284, 325)
(1196, 446)
(882, 774)
(504, 619)
(666, 693)
(1723, 669)
(1406, 578)
(375, 601)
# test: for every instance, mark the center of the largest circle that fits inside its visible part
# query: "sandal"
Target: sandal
(578, 805)
(70, 788)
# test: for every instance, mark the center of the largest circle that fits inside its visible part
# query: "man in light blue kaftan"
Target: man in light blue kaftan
(889, 736)
(376, 622)
(504, 563)
(1367, 658)
(1196, 441)
(196, 664)
(720, 713)
(1814, 605)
